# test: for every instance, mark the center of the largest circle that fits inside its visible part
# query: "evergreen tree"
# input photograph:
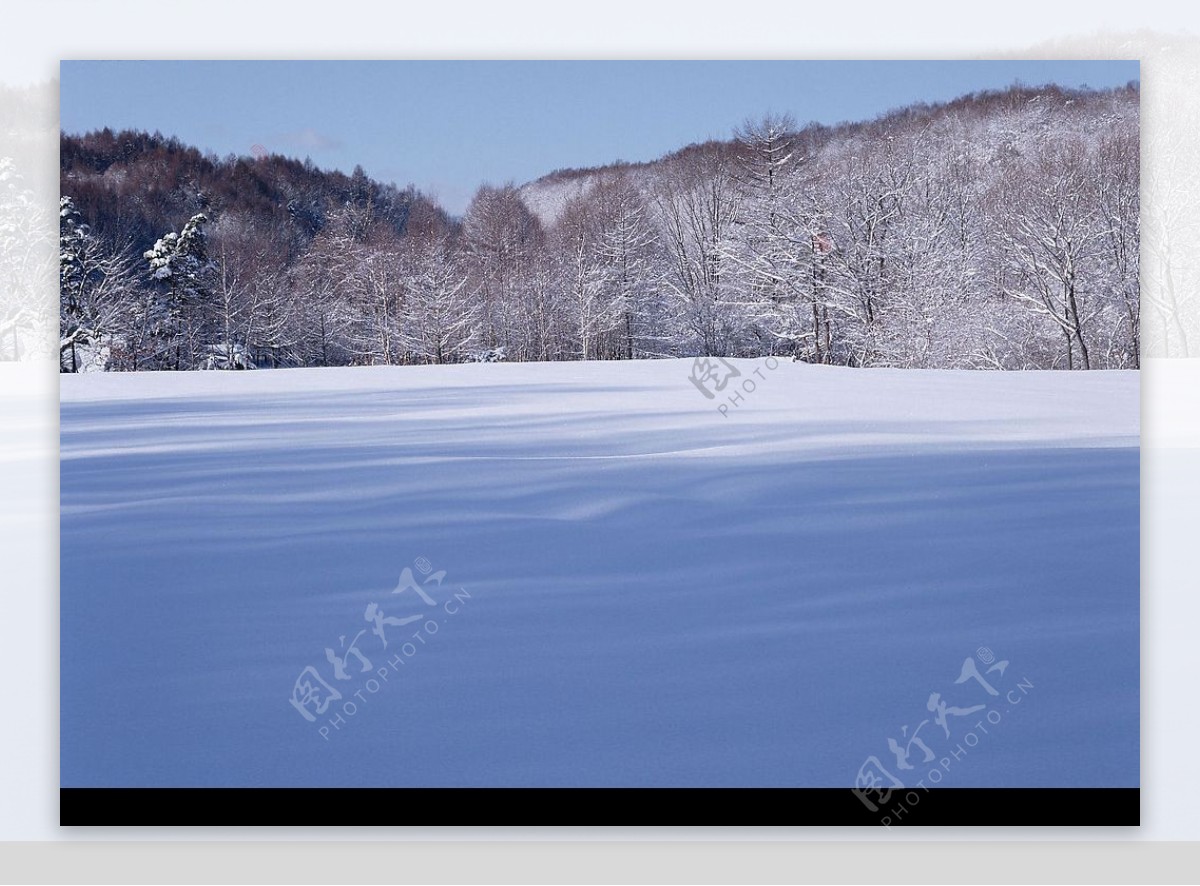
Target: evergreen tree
(94, 289)
(181, 322)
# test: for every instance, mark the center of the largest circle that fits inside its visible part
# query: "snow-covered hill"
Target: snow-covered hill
(547, 197)
(640, 588)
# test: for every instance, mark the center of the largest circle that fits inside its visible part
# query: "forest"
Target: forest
(996, 231)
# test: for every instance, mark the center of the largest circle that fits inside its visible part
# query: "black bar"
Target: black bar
(695, 807)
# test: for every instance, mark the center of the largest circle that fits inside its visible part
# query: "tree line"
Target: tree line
(997, 231)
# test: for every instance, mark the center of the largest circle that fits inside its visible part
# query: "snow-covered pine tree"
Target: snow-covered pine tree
(181, 320)
(94, 290)
(72, 329)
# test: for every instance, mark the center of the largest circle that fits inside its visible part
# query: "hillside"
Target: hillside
(547, 196)
(912, 240)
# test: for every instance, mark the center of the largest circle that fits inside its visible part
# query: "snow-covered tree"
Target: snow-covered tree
(94, 293)
(869, 190)
(504, 244)
(1051, 237)
(323, 316)
(773, 250)
(698, 200)
(1115, 172)
(441, 318)
(27, 260)
(181, 322)
(630, 267)
(594, 310)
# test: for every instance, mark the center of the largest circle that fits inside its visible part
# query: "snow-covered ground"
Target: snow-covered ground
(638, 589)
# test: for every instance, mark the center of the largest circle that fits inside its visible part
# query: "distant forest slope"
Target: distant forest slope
(999, 230)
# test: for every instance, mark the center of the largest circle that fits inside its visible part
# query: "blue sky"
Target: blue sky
(449, 126)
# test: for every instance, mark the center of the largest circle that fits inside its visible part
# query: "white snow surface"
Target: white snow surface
(659, 594)
(547, 197)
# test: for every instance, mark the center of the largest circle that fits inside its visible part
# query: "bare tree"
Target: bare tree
(1051, 234)
(698, 199)
(502, 238)
(627, 248)
(441, 319)
(868, 192)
